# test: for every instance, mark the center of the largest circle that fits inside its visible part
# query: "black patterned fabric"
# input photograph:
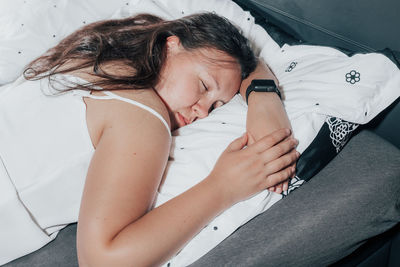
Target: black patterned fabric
(330, 140)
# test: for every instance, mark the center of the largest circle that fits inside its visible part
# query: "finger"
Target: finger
(294, 170)
(282, 187)
(285, 186)
(278, 188)
(270, 140)
(278, 177)
(279, 150)
(238, 143)
(281, 163)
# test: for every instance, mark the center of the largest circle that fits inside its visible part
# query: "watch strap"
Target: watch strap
(262, 85)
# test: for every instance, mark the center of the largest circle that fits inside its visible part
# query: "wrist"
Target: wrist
(220, 191)
(262, 98)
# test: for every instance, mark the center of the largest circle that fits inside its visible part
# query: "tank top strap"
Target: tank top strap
(110, 95)
(85, 93)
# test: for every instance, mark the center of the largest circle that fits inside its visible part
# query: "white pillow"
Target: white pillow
(28, 28)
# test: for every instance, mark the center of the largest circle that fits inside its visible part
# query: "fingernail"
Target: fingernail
(288, 131)
(295, 142)
(297, 153)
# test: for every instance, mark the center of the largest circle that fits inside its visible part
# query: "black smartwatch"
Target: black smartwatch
(262, 86)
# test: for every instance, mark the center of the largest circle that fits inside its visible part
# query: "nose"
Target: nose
(201, 110)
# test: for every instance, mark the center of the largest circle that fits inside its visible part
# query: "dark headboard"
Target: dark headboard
(356, 25)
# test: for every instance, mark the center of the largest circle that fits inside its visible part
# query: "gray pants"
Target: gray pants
(355, 197)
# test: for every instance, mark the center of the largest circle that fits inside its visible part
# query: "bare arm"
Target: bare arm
(115, 225)
(265, 112)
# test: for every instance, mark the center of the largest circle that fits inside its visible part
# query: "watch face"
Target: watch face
(262, 85)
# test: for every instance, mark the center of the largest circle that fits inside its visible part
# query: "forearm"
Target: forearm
(162, 232)
(266, 112)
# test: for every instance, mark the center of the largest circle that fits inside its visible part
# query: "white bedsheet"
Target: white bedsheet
(315, 82)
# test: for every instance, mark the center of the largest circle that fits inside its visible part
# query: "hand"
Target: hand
(242, 172)
(283, 186)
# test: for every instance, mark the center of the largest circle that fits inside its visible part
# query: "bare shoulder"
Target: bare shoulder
(147, 97)
(130, 127)
(126, 117)
(117, 114)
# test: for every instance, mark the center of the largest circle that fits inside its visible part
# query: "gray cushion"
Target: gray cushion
(61, 252)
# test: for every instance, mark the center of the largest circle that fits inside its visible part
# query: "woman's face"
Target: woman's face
(194, 83)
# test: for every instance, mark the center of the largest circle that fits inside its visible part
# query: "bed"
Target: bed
(227, 122)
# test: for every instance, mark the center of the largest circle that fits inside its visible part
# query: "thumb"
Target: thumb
(238, 143)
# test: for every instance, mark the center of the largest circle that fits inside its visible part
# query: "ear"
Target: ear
(173, 44)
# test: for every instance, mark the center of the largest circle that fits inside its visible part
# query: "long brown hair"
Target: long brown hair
(138, 42)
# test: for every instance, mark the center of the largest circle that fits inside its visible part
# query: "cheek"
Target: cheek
(187, 97)
(182, 84)
(185, 91)
(181, 94)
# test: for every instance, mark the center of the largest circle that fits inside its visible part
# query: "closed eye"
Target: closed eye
(205, 87)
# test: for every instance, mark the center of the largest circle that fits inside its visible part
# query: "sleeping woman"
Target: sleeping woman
(98, 109)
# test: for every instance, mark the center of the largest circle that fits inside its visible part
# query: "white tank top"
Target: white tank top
(45, 151)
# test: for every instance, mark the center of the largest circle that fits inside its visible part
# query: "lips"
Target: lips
(181, 120)
(186, 120)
